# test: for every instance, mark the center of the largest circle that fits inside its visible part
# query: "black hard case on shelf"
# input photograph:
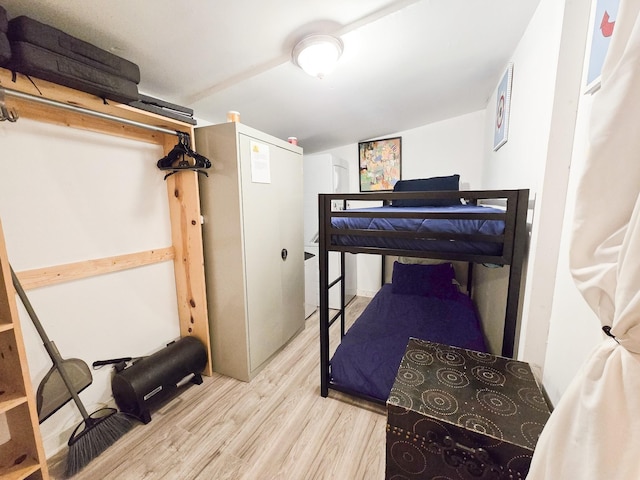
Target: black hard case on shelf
(456, 413)
(166, 105)
(164, 108)
(28, 30)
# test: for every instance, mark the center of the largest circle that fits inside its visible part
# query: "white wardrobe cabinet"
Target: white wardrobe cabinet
(253, 245)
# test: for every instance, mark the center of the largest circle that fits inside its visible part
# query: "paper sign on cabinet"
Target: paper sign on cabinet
(260, 163)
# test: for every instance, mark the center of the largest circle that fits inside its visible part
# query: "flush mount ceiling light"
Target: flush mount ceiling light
(317, 54)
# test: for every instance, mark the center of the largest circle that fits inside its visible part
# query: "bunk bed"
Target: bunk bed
(479, 227)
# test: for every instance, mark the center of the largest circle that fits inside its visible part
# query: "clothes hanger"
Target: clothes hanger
(7, 113)
(182, 157)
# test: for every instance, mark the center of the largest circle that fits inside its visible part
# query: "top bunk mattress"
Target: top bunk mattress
(450, 235)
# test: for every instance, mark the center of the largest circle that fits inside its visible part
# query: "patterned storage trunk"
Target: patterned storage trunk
(459, 414)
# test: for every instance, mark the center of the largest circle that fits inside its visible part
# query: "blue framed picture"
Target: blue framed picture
(503, 105)
(603, 19)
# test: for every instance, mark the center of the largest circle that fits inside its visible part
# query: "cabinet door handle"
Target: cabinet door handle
(284, 254)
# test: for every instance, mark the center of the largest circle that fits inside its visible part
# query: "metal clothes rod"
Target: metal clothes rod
(73, 108)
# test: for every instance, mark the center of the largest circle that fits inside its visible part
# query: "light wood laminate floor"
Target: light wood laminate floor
(275, 427)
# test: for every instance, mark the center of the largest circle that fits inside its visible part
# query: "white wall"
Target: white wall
(521, 163)
(66, 196)
(574, 328)
(549, 118)
(547, 73)
(444, 148)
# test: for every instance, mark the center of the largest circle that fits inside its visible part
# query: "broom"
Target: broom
(101, 429)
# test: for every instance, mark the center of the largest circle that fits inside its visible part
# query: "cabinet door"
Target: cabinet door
(269, 228)
(290, 180)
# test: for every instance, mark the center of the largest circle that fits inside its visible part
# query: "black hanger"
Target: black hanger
(181, 157)
(6, 113)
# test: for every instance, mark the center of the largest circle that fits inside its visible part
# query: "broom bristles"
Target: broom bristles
(98, 435)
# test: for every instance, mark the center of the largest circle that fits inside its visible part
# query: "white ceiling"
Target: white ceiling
(406, 63)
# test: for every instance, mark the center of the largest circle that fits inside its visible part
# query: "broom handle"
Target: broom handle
(52, 350)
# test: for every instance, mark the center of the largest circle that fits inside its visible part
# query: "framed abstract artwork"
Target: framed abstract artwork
(603, 20)
(380, 164)
(503, 105)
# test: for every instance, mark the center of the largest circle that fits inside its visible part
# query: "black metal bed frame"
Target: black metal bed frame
(513, 241)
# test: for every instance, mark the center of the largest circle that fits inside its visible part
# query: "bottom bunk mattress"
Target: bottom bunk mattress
(367, 359)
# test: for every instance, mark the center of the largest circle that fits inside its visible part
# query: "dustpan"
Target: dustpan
(52, 392)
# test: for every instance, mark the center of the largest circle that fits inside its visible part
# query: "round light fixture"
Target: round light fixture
(317, 54)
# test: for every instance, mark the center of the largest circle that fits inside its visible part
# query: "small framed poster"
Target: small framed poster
(603, 20)
(380, 164)
(503, 105)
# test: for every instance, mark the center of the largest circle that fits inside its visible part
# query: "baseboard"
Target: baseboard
(366, 293)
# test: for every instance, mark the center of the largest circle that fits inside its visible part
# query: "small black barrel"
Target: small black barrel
(155, 378)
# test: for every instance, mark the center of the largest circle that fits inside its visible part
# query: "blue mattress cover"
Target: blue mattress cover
(423, 225)
(367, 359)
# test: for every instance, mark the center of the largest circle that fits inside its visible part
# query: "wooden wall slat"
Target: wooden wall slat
(42, 277)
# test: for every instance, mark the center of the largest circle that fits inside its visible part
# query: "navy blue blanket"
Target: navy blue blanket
(439, 225)
(368, 357)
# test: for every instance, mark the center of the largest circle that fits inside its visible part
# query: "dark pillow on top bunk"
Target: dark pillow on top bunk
(424, 280)
(432, 184)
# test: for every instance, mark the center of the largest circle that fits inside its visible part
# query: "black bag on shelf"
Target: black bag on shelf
(25, 29)
(5, 49)
(3, 20)
(30, 59)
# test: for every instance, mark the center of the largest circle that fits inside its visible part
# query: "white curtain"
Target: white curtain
(594, 432)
